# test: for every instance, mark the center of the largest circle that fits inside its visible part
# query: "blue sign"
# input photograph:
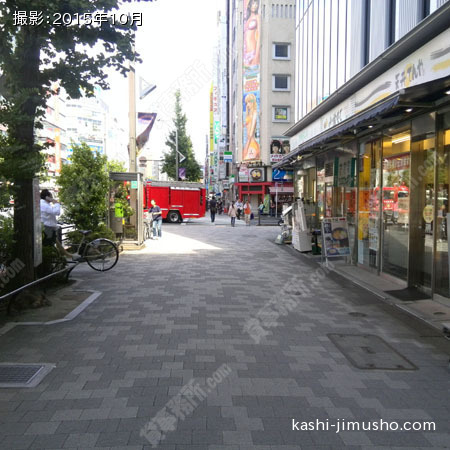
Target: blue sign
(282, 175)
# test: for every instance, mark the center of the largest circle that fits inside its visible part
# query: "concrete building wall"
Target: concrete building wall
(278, 25)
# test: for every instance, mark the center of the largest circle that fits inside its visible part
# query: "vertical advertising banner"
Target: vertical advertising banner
(251, 149)
(145, 125)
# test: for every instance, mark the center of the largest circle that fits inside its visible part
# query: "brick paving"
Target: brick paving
(177, 312)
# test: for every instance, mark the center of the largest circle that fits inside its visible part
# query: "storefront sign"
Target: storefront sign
(282, 175)
(346, 169)
(279, 148)
(398, 162)
(257, 175)
(243, 174)
(428, 214)
(335, 237)
(426, 64)
(373, 239)
(228, 156)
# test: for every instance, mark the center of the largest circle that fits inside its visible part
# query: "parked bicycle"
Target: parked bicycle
(101, 254)
(148, 226)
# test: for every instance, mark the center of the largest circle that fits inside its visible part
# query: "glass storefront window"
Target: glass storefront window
(369, 201)
(345, 192)
(321, 193)
(395, 201)
(422, 222)
(443, 213)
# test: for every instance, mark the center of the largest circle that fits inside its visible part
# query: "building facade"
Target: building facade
(261, 51)
(371, 136)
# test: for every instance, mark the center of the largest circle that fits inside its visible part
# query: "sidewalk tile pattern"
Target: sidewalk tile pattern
(164, 319)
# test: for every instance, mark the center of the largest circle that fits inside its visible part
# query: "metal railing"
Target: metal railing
(13, 294)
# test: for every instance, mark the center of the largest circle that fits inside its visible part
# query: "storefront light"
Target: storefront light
(401, 139)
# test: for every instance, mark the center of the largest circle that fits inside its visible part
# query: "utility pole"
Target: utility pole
(132, 117)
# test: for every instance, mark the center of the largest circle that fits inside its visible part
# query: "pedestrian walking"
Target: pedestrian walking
(155, 212)
(272, 208)
(239, 206)
(247, 212)
(261, 209)
(232, 212)
(50, 209)
(220, 207)
(213, 209)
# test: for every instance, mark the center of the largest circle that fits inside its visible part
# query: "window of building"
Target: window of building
(435, 4)
(281, 82)
(281, 113)
(281, 51)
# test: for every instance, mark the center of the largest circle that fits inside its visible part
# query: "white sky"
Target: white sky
(176, 36)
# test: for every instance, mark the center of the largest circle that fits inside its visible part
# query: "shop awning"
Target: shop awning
(282, 189)
(367, 114)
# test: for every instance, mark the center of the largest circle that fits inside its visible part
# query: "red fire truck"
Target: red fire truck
(178, 200)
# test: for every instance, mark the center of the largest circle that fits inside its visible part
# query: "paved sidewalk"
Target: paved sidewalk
(176, 311)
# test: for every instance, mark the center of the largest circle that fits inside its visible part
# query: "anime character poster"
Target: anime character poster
(251, 78)
(252, 33)
(251, 126)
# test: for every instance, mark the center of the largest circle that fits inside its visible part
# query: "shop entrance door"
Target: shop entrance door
(395, 197)
(441, 277)
(422, 214)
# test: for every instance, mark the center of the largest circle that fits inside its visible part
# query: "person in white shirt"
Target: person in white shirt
(50, 209)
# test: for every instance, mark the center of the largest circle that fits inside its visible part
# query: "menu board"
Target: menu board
(335, 236)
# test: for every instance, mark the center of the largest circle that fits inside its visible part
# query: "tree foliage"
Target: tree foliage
(193, 171)
(35, 61)
(114, 165)
(84, 186)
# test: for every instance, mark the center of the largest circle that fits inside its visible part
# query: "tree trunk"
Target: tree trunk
(24, 229)
(23, 134)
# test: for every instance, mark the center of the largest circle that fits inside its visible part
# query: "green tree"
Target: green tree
(115, 166)
(32, 59)
(84, 186)
(193, 171)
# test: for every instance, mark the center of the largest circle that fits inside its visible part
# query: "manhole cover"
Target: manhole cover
(22, 375)
(439, 313)
(357, 314)
(366, 351)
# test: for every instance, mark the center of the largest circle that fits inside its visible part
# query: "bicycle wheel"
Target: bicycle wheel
(148, 231)
(101, 254)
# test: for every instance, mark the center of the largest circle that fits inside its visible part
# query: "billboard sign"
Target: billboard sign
(251, 107)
